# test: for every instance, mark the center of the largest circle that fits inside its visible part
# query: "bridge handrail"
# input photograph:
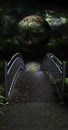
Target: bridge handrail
(56, 71)
(55, 59)
(13, 58)
(59, 67)
(11, 70)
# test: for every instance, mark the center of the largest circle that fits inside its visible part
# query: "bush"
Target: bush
(66, 88)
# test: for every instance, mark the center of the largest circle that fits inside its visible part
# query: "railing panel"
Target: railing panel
(11, 69)
(56, 71)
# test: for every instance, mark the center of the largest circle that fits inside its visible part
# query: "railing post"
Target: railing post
(6, 87)
(63, 77)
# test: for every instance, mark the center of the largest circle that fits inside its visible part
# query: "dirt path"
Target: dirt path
(33, 105)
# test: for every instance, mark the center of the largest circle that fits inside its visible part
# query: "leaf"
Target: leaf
(2, 97)
(2, 104)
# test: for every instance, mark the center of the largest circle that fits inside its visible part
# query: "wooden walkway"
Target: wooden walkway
(33, 105)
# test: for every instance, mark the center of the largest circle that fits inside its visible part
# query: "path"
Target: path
(32, 87)
(33, 105)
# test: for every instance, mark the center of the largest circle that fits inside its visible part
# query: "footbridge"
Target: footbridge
(31, 86)
(30, 99)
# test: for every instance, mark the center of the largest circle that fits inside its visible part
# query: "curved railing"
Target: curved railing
(11, 70)
(56, 71)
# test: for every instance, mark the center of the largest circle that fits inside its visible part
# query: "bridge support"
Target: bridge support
(6, 88)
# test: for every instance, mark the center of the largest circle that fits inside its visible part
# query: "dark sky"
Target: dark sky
(63, 3)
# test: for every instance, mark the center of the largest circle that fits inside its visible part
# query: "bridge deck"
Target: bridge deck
(33, 105)
(32, 87)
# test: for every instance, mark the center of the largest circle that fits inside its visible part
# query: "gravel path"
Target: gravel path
(33, 105)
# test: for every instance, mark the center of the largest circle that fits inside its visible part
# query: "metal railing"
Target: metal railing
(56, 71)
(11, 70)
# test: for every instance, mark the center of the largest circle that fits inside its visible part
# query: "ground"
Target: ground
(34, 106)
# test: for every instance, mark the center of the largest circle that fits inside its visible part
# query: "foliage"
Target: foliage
(2, 98)
(1, 104)
(1, 86)
(59, 45)
(7, 26)
(66, 81)
(9, 19)
(32, 69)
(66, 88)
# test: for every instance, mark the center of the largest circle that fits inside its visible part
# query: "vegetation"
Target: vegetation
(66, 88)
(2, 98)
(32, 69)
(1, 104)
